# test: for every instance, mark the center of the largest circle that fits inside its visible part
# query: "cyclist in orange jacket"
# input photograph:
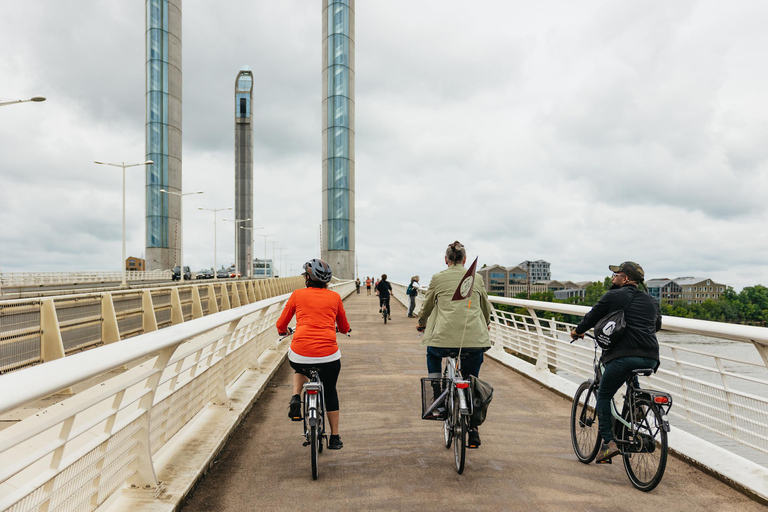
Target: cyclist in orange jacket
(318, 311)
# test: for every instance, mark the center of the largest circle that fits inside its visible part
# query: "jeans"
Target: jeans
(614, 375)
(412, 304)
(471, 360)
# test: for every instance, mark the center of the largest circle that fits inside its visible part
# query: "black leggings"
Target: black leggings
(329, 374)
(384, 301)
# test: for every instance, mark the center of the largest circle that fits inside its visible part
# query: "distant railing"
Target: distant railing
(712, 391)
(39, 330)
(74, 455)
(53, 278)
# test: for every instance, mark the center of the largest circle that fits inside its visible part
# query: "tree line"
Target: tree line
(749, 306)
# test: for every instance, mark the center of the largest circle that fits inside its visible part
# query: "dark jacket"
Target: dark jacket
(643, 319)
(384, 289)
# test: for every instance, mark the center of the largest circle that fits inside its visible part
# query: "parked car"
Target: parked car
(177, 273)
(205, 273)
(222, 273)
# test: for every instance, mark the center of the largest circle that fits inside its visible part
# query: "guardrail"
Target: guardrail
(709, 390)
(77, 453)
(54, 278)
(39, 330)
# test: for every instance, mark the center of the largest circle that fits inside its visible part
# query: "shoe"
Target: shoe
(334, 443)
(379, 310)
(607, 452)
(294, 408)
(389, 317)
(474, 438)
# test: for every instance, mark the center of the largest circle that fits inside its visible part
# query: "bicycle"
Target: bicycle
(453, 406)
(385, 310)
(313, 414)
(640, 430)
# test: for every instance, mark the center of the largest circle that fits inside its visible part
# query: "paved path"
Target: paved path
(392, 460)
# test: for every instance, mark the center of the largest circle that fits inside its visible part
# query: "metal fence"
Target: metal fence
(38, 330)
(721, 394)
(74, 455)
(64, 278)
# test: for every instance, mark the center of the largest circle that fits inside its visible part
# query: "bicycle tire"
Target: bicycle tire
(646, 458)
(460, 438)
(313, 445)
(385, 316)
(448, 423)
(585, 436)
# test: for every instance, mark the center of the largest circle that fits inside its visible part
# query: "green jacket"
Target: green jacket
(445, 319)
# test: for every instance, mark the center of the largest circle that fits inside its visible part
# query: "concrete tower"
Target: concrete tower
(338, 244)
(163, 128)
(243, 172)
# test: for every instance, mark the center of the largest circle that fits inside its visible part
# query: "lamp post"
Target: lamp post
(237, 246)
(273, 242)
(124, 282)
(265, 253)
(36, 99)
(253, 249)
(215, 235)
(181, 229)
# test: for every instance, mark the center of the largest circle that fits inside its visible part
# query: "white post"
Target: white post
(124, 284)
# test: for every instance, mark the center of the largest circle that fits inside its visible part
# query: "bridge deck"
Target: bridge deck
(392, 460)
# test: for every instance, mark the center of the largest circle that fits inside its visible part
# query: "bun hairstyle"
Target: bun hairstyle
(456, 252)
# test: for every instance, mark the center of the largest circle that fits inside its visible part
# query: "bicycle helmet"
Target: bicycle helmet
(318, 270)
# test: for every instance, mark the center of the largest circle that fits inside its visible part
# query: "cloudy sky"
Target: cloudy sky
(582, 133)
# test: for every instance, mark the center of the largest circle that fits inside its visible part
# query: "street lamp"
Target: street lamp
(273, 242)
(253, 249)
(181, 229)
(215, 226)
(265, 252)
(36, 99)
(124, 283)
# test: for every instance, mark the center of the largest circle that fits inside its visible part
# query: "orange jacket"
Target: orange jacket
(318, 311)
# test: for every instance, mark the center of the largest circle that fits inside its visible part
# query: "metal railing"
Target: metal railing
(65, 278)
(77, 453)
(39, 330)
(721, 394)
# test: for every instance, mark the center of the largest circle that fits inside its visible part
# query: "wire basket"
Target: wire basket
(434, 393)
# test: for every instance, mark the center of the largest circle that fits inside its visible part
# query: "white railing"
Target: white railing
(40, 330)
(77, 453)
(721, 394)
(65, 278)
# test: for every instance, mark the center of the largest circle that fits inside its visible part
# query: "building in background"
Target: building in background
(263, 268)
(695, 290)
(537, 270)
(243, 170)
(338, 139)
(163, 133)
(134, 264)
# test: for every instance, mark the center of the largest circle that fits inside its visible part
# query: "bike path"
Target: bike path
(393, 460)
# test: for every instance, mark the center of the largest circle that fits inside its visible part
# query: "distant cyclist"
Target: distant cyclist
(318, 311)
(448, 324)
(637, 349)
(384, 290)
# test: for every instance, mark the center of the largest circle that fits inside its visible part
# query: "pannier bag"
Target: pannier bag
(482, 394)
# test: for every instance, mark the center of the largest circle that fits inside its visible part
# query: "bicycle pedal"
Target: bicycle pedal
(606, 461)
(306, 443)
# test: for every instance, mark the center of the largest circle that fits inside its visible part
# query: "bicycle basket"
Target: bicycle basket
(433, 398)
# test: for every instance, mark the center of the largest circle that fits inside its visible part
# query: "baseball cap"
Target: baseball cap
(631, 269)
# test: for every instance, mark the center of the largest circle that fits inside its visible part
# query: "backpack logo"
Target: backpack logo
(609, 327)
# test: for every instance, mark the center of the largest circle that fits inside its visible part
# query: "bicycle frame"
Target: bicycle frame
(452, 373)
(314, 397)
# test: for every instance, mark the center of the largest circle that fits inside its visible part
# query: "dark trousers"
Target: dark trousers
(384, 301)
(329, 375)
(412, 304)
(614, 375)
(471, 360)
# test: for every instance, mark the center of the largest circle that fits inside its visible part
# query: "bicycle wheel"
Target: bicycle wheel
(585, 436)
(314, 441)
(460, 438)
(646, 457)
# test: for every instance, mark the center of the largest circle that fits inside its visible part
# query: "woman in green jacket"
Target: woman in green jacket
(449, 325)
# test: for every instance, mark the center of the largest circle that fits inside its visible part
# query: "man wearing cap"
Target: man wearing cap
(638, 348)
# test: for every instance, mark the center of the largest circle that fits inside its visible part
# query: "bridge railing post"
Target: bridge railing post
(110, 331)
(213, 305)
(197, 305)
(148, 319)
(177, 314)
(541, 358)
(51, 345)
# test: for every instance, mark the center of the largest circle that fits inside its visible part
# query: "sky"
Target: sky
(582, 133)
